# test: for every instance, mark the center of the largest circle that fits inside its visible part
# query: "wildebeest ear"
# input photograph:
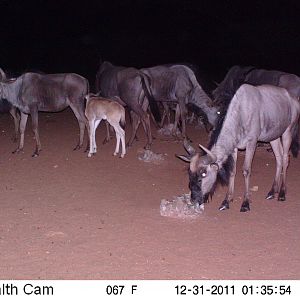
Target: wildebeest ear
(215, 166)
(2, 75)
(184, 158)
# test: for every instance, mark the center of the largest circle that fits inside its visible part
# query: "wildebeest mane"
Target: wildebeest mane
(234, 78)
(224, 94)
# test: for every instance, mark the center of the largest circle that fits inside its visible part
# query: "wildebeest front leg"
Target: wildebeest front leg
(278, 152)
(16, 117)
(23, 122)
(229, 195)
(181, 108)
(250, 149)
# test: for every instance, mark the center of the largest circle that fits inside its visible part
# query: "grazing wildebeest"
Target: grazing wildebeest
(237, 75)
(6, 107)
(178, 83)
(131, 87)
(263, 113)
(33, 92)
(98, 109)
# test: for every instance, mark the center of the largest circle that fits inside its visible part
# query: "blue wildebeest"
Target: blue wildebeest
(6, 107)
(178, 84)
(237, 75)
(132, 88)
(263, 113)
(33, 92)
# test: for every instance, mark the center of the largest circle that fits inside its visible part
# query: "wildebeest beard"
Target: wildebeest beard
(195, 181)
(196, 189)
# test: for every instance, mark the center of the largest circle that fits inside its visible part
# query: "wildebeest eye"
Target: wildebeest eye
(203, 174)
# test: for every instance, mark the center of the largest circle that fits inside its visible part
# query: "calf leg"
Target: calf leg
(120, 135)
(91, 132)
(118, 138)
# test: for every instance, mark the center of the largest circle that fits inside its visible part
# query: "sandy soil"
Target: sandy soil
(66, 216)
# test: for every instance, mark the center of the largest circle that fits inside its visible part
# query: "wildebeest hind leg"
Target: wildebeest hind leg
(286, 143)
(16, 117)
(34, 118)
(82, 122)
(135, 124)
(250, 149)
(278, 152)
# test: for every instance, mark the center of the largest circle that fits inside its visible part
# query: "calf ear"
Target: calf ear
(184, 158)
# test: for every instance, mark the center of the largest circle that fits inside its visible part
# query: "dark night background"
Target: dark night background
(72, 36)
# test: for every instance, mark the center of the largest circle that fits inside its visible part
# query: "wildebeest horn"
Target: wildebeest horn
(189, 149)
(3, 76)
(212, 156)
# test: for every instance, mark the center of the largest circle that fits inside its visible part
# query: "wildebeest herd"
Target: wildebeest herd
(250, 105)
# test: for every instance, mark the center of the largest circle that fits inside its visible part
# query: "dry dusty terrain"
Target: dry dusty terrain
(65, 216)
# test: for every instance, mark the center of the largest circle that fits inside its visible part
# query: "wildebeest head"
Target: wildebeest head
(203, 172)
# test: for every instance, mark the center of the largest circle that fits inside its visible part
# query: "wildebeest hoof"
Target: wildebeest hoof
(281, 196)
(270, 196)
(77, 147)
(105, 141)
(245, 207)
(36, 153)
(224, 205)
(18, 150)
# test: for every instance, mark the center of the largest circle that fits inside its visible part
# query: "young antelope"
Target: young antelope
(98, 109)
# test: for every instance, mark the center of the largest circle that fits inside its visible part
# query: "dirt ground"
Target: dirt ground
(66, 216)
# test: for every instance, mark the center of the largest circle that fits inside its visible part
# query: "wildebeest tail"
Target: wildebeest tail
(153, 104)
(123, 121)
(295, 141)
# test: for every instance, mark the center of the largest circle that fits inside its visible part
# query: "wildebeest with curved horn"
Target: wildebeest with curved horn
(34, 92)
(178, 83)
(6, 107)
(264, 113)
(131, 86)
